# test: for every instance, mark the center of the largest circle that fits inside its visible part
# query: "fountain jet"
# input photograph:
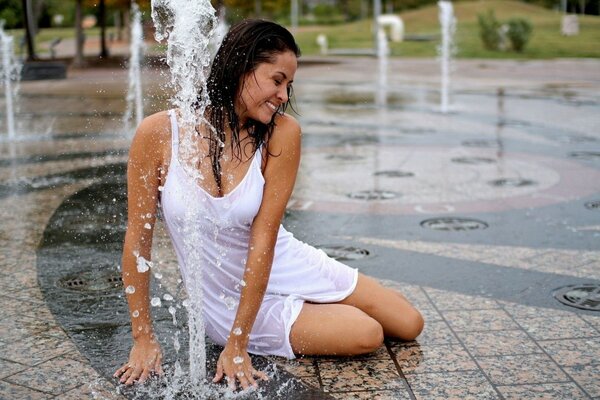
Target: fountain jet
(135, 102)
(448, 23)
(9, 72)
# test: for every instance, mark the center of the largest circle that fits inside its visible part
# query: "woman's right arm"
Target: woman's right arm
(144, 176)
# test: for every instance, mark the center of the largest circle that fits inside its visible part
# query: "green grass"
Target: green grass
(46, 35)
(546, 41)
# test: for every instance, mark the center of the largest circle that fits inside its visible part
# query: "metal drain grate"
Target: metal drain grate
(512, 182)
(453, 224)
(480, 143)
(373, 195)
(473, 160)
(94, 282)
(394, 173)
(593, 205)
(585, 155)
(344, 253)
(344, 157)
(583, 296)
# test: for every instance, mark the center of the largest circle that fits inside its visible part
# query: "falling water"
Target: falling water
(382, 55)
(9, 73)
(135, 102)
(448, 23)
(187, 26)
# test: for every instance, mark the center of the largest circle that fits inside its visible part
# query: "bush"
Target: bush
(489, 30)
(519, 32)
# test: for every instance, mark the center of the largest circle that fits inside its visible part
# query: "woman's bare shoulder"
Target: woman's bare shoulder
(155, 128)
(287, 130)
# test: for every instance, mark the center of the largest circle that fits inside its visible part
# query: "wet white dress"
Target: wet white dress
(220, 230)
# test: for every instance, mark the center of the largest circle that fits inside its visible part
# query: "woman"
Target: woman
(264, 291)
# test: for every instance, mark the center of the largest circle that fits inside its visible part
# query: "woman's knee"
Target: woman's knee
(414, 324)
(368, 336)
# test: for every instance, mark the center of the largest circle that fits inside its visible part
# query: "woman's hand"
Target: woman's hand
(145, 357)
(236, 365)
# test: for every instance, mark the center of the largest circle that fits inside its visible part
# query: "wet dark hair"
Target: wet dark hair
(246, 45)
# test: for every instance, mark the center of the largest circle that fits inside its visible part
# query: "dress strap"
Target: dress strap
(174, 135)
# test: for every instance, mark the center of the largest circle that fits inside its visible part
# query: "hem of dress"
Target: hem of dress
(290, 323)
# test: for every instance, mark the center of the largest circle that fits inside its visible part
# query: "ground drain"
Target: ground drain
(480, 143)
(582, 296)
(373, 195)
(93, 282)
(453, 224)
(585, 155)
(344, 157)
(394, 173)
(512, 182)
(593, 205)
(473, 160)
(344, 253)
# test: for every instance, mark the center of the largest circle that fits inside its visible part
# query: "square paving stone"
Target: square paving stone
(10, 391)
(568, 391)
(359, 375)
(56, 376)
(421, 359)
(558, 327)
(446, 301)
(373, 395)
(496, 343)
(17, 328)
(99, 389)
(435, 332)
(8, 368)
(302, 366)
(465, 385)
(592, 320)
(521, 369)
(571, 352)
(479, 320)
(36, 349)
(587, 377)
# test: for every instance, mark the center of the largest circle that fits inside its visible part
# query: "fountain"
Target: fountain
(9, 73)
(135, 102)
(382, 56)
(448, 23)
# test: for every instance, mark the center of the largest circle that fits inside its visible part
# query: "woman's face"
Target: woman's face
(266, 88)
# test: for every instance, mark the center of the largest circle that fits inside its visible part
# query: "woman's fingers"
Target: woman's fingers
(219, 373)
(230, 381)
(260, 374)
(158, 365)
(134, 375)
(120, 371)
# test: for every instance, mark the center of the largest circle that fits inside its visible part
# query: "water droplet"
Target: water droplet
(130, 289)
(167, 297)
(135, 314)
(240, 374)
(148, 215)
(158, 275)
(155, 302)
(243, 282)
(237, 331)
(147, 226)
(230, 303)
(143, 265)
(161, 188)
(238, 360)
(185, 303)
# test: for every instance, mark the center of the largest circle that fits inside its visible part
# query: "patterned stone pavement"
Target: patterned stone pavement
(487, 336)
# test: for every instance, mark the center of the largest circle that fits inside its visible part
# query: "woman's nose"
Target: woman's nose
(282, 94)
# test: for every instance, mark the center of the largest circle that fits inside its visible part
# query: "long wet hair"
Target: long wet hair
(246, 45)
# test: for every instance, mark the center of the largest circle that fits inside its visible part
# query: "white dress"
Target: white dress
(220, 228)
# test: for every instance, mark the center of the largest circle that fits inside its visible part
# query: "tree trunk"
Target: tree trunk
(29, 32)
(103, 48)
(78, 60)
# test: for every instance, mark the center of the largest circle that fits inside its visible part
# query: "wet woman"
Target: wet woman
(264, 291)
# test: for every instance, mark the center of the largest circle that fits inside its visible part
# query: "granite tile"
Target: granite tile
(557, 327)
(465, 385)
(446, 301)
(546, 391)
(571, 352)
(435, 332)
(521, 369)
(362, 375)
(100, 389)
(373, 395)
(302, 366)
(496, 343)
(56, 376)
(16, 328)
(479, 320)
(8, 368)
(312, 381)
(36, 349)
(587, 377)
(380, 354)
(592, 320)
(10, 391)
(420, 359)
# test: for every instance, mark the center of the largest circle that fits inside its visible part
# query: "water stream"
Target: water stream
(9, 72)
(448, 24)
(135, 103)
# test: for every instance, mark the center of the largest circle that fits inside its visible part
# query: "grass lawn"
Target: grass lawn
(546, 40)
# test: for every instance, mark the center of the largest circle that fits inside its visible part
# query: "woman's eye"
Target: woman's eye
(277, 82)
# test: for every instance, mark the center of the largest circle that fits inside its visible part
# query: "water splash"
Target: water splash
(135, 103)
(448, 23)
(383, 51)
(9, 73)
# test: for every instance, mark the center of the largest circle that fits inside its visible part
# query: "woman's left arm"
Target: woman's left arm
(283, 159)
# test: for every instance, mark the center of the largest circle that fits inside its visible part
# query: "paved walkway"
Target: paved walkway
(519, 155)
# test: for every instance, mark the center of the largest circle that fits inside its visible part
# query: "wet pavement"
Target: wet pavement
(478, 216)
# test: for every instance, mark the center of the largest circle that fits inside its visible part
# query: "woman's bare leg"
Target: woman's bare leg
(334, 329)
(388, 307)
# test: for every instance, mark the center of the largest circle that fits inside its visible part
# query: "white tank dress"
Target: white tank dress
(220, 228)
